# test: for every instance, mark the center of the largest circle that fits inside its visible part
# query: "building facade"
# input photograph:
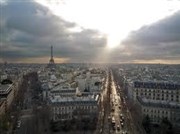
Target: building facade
(7, 93)
(157, 91)
(158, 100)
(67, 108)
(159, 110)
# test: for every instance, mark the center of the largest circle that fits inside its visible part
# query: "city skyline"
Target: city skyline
(28, 28)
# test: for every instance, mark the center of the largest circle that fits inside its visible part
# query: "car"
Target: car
(122, 118)
(18, 124)
(109, 118)
(118, 127)
(114, 127)
(122, 124)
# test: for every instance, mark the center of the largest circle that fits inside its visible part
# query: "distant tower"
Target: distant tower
(51, 61)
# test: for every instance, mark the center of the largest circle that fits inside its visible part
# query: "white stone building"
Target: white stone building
(7, 94)
(157, 110)
(157, 91)
(67, 108)
(158, 100)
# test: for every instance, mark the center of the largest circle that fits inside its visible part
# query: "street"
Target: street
(115, 117)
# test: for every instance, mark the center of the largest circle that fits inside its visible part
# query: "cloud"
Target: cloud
(160, 40)
(28, 29)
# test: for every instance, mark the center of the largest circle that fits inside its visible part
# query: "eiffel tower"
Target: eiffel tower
(51, 61)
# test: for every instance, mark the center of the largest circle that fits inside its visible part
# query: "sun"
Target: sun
(116, 18)
(112, 41)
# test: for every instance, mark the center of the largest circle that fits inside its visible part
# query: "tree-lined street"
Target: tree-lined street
(115, 116)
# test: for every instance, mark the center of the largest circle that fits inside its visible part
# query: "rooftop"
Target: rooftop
(157, 85)
(160, 104)
(74, 99)
(5, 88)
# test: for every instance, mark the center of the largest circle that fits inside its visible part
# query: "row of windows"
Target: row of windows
(74, 107)
(162, 97)
(155, 111)
(71, 112)
(158, 91)
(158, 95)
(167, 95)
(159, 114)
(57, 117)
(157, 118)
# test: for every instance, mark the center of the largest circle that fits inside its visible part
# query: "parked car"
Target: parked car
(18, 123)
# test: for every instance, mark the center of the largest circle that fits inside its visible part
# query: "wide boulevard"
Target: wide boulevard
(115, 117)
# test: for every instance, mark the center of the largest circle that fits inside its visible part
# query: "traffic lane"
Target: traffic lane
(116, 108)
(121, 122)
(127, 122)
(104, 128)
(27, 125)
(23, 128)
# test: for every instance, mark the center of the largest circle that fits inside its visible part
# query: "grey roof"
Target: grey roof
(158, 104)
(74, 100)
(156, 85)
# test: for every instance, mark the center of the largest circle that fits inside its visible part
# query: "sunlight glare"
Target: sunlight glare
(116, 18)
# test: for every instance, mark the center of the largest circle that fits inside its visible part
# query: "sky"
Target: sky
(111, 31)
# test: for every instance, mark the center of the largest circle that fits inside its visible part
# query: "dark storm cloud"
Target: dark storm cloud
(28, 29)
(160, 40)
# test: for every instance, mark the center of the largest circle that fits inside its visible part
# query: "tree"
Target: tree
(146, 124)
(4, 123)
(166, 126)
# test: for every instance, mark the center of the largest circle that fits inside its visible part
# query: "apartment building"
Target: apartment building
(67, 108)
(157, 110)
(157, 91)
(7, 93)
(158, 100)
